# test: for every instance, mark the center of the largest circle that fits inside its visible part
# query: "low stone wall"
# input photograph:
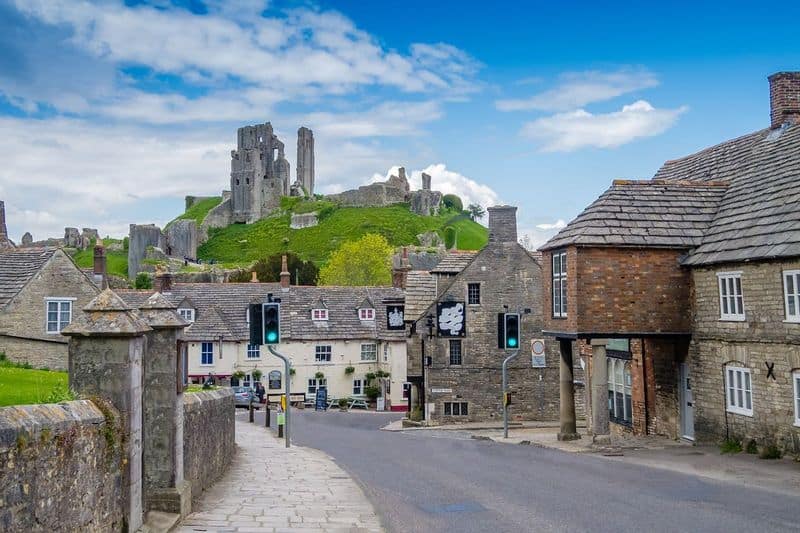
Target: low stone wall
(39, 353)
(59, 469)
(208, 436)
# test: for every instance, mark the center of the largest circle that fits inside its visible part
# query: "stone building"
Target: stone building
(454, 354)
(685, 288)
(40, 290)
(305, 160)
(5, 242)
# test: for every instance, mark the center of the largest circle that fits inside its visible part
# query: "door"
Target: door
(687, 404)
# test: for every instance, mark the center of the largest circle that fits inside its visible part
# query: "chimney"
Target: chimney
(163, 282)
(254, 277)
(286, 277)
(502, 223)
(99, 269)
(3, 229)
(426, 182)
(784, 98)
(400, 274)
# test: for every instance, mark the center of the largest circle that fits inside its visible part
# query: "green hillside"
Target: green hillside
(199, 210)
(243, 243)
(116, 261)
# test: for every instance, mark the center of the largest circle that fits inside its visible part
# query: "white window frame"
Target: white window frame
(314, 384)
(187, 314)
(559, 281)
(463, 408)
(324, 350)
(372, 352)
(366, 313)
(59, 322)
(739, 388)
(727, 281)
(319, 315)
(625, 388)
(358, 387)
(796, 381)
(251, 350)
(471, 293)
(793, 296)
(203, 352)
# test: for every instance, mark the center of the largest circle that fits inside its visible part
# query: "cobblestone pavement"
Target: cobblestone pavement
(271, 489)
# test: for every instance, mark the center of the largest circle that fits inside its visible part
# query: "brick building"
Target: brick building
(40, 290)
(468, 290)
(681, 292)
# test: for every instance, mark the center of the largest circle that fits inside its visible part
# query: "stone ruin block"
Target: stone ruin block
(305, 220)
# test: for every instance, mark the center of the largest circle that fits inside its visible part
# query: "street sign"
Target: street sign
(538, 359)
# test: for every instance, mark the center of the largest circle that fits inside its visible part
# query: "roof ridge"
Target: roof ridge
(671, 183)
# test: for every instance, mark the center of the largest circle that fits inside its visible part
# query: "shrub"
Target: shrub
(452, 201)
(256, 374)
(343, 402)
(416, 414)
(143, 281)
(349, 370)
(292, 371)
(372, 393)
(752, 447)
(369, 376)
(319, 375)
(770, 452)
(60, 393)
(730, 446)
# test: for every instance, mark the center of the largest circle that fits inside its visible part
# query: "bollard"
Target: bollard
(280, 419)
(251, 411)
(266, 416)
(280, 431)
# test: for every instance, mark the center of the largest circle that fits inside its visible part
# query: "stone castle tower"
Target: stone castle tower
(305, 159)
(259, 173)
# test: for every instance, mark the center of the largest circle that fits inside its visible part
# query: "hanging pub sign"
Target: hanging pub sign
(395, 316)
(450, 319)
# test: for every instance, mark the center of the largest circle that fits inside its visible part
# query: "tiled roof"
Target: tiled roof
(653, 213)
(221, 309)
(420, 293)
(454, 262)
(759, 216)
(18, 266)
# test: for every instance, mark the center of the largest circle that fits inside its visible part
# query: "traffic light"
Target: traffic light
(272, 323)
(512, 340)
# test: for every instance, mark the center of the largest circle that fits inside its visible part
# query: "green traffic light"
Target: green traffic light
(272, 336)
(512, 342)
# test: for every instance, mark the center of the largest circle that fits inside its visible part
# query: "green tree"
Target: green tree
(476, 211)
(451, 201)
(367, 261)
(143, 281)
(269, 269)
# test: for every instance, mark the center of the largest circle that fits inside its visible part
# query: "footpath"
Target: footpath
(270, 488)
(777, 475)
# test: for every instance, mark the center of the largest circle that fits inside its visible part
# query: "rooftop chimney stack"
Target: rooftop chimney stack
(163, 282)
(400, 274)
(99, 270)
(502, 223)
(784, 98)
(286, 277)
(254, 277)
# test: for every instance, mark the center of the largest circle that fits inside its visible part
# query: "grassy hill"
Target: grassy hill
(243, 243)
(116, 261)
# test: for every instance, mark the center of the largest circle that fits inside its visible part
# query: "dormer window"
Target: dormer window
(319, 314)
(366, 313)
(187, 314)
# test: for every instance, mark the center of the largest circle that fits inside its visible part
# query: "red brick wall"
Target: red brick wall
(559, 324)
(784, 98)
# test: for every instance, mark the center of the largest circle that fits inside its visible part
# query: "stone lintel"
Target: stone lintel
(598, 342)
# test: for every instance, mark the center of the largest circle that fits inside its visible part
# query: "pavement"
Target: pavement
(270, 488)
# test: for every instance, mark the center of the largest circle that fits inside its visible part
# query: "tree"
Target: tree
(143, 281)
(451, 201)
(269, 269)
(367, 261)
(476, 211)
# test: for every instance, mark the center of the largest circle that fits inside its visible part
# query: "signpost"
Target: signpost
(288, 366)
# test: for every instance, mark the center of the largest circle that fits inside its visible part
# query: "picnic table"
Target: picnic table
(358, 401)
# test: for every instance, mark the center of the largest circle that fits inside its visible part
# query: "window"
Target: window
(274, 379)
(619, 390)
(455, 351)
(59, 315)
(473, 293)
(207, 354)
(796, 380)
(369, 352)
(791, 292)
(455, 409)
(247, 381)
(358, 386)
(406, 390)
(740, 390)
(187, 314)
(314, 384)
(560, 284)
(323, 354)
(731, 304)
(366, 314)
(319, 314)
(253, 351)
(385, 352)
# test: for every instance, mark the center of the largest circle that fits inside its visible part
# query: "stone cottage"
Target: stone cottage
(455, 372)
(682, 295)
(40, 290)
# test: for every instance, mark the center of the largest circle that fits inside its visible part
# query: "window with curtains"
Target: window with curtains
(620, 405)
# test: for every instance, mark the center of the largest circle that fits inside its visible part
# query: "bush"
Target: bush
(752, 447)
(416, 414)
(319, 375)
(369, 376)
(256, 374)
(770, 452)
(372, 393)
(730, 446)
(60, 393)
(143, 281)
(343, 402)
(125, 243)
(452, 201)
(349, 370)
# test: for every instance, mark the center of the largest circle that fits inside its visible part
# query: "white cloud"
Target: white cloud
(565, 132)
(558, 224)
(390, 119)
(577, 89)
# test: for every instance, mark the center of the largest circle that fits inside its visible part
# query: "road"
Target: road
(443, 481)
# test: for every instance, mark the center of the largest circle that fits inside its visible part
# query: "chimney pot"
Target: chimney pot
(502, 223)
(286, 277)
(163, 282)
(99, 266)
(253, 277)
(784, 98)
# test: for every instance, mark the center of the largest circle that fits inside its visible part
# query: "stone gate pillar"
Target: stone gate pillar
(568, 430)
(106, 349)
(600, 429)
(164, 486)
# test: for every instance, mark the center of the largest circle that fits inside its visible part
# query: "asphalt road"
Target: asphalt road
(443, 481)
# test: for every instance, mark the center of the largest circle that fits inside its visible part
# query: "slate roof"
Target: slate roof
(653, 213)
(221, 309)
(454, 262)
(17, 267)
(420, 293)
(759, 215)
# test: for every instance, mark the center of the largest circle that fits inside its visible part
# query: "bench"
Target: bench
(358, 401)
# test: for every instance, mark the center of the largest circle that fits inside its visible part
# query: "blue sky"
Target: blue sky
(111, 112)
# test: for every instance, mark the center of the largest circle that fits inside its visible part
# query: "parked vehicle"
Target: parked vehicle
(243, 396)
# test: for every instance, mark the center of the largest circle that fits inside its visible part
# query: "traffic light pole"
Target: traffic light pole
(287, 379)
(505, 391)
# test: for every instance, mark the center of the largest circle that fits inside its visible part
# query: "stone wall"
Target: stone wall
(181, 238)
(304, 220)
(219, 217)
(59, 469)
(140, 237)
(208, 433)
(763, 338)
